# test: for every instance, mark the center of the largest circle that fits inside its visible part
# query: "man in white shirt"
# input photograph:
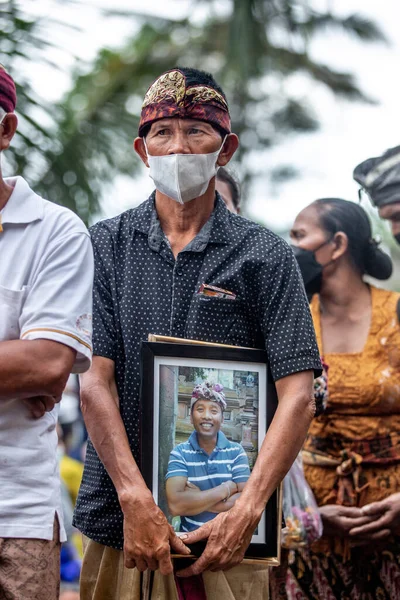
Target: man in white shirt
(46, 273)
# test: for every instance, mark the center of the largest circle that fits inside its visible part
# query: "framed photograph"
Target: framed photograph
(205, 410)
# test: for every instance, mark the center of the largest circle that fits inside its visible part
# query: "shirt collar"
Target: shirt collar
(214, 231)
(23, 206)
(222, 441)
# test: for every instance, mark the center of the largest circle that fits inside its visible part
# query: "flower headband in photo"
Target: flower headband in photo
(209, 391)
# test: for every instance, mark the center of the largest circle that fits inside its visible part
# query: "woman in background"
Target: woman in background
(229, 189)
(352, 451)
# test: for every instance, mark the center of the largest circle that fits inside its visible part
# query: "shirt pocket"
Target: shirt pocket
(211, 319)
(10, 309)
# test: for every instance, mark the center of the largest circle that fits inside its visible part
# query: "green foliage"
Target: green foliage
(252, 51)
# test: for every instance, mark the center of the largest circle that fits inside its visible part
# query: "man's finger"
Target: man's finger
(141, 564)
(202, 533)
(191, 486)
(197, 567)
(152, 564)
(224, 563)
(177, 545)
(234, 562)
(129, 563)
(49, 402)
(165, 565)
(35, 406)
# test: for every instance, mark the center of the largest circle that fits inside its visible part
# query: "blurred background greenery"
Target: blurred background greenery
(72, 150)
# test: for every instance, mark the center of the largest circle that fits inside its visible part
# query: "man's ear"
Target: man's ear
(231, 144)
(140, 149)
(341, 242)
(7, 130)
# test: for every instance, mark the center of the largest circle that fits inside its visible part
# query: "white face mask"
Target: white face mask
(183, 177)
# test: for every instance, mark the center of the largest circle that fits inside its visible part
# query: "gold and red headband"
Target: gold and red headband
(170, 96)
(8, 94)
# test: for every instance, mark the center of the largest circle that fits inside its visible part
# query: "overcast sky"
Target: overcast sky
(350, 132)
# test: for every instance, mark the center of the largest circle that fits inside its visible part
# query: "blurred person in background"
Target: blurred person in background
(229, 189)
(71, 420)
(152, 266)
(352, 451)
(379, 177)
(46, 276)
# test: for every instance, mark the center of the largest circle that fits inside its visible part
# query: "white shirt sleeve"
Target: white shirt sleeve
(58, 304)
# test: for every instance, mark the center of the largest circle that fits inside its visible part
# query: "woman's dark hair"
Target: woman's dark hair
(227, 177)
(336, 215)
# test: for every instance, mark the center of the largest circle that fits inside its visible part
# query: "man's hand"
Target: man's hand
(383, 520)
(339, 520)
(229, 535)
(191, 486)
(39, 405)
(225, 506)
(148, 537)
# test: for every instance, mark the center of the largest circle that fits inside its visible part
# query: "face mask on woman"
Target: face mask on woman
(310, 269)
(183, 177)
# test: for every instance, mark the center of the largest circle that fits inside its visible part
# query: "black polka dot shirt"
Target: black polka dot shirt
(140, 288)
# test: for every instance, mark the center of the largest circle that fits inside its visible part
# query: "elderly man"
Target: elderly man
(46, 274)
(212, 480)
(380, 178)
(153, 266)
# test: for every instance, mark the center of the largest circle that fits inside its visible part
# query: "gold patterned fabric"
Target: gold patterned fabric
(171, 96)
(352, 457)
(352, 451)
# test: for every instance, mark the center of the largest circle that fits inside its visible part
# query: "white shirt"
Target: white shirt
(46, 274)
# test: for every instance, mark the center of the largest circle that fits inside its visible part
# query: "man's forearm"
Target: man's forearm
(108, 436)
(281, 445)
(224, 506)
(190, 502)
(31, 368)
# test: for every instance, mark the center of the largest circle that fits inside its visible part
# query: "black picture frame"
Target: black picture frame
(156, 356)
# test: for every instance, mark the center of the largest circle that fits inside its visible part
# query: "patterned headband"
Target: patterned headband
(170, 96)
(209, 391)
(8, 94)
(380, 177)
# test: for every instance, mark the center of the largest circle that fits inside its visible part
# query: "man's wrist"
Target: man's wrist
(226, 491)
(249, 502)
(134, 494)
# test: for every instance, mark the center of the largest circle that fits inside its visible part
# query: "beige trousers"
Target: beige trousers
(104, 577)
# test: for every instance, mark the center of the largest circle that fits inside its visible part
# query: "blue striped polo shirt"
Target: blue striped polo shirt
(228, 461)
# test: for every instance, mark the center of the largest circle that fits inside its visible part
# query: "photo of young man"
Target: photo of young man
(207, 473)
